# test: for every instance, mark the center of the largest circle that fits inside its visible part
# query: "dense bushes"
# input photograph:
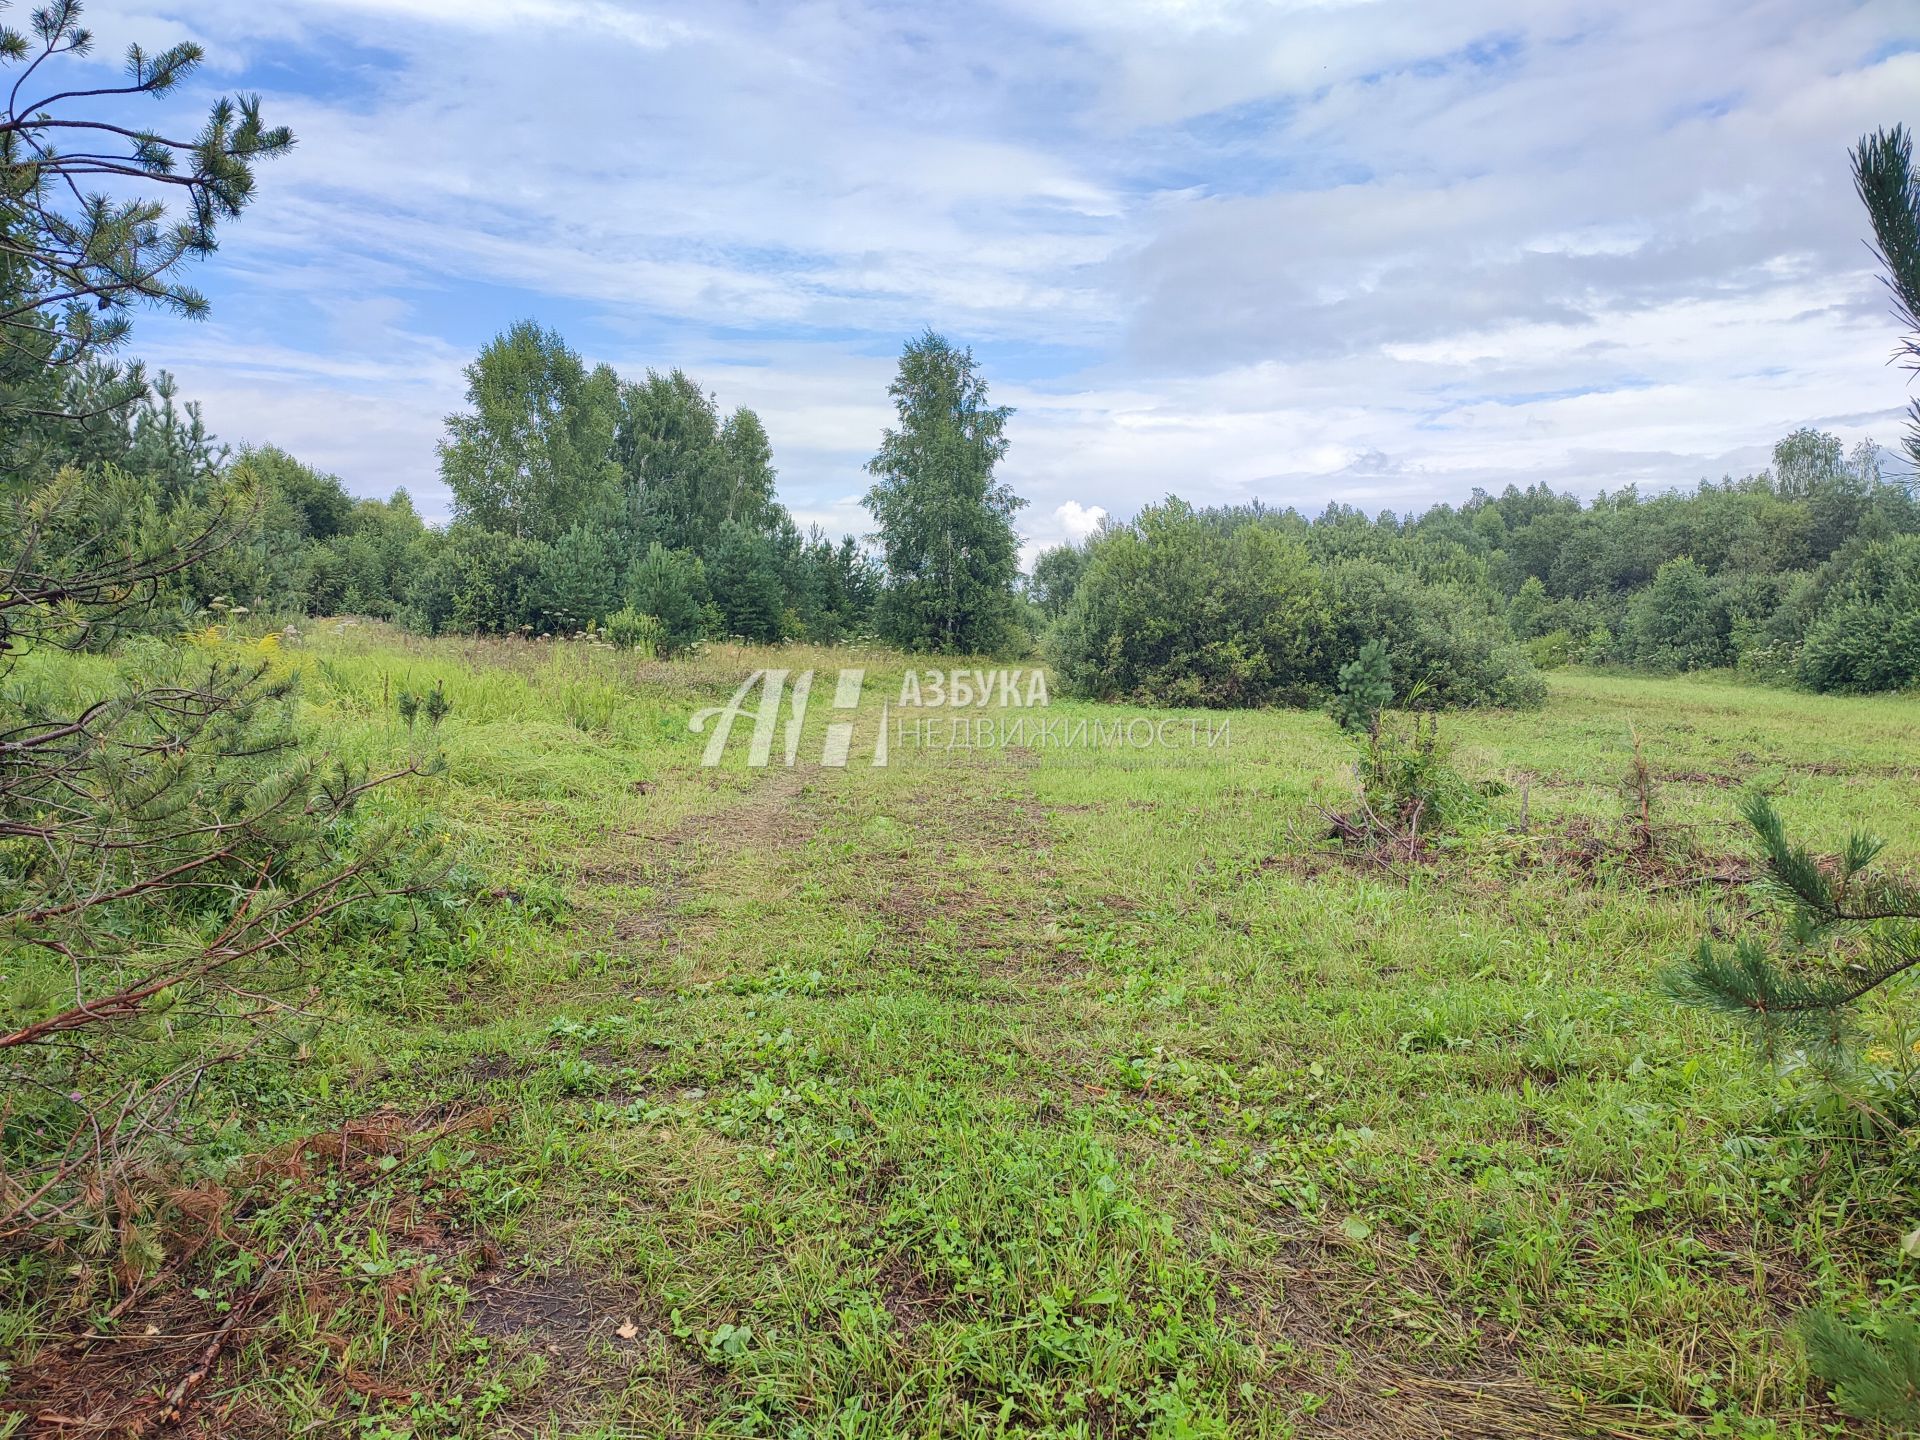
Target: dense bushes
(1677, 622)
(1449, 640)
(1171, 609)
(1183, 607)
(1805, 573)
(1867, 636)
(1753, 572)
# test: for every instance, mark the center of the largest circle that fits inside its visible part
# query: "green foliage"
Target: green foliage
(533, 456)
(80, 260)
(1553, 650)
(678, 476)
(1675, 623)
(1883, 174)
(478, 581)
(1874, 1377)
(747, 475)
(1408, 780)
(629, 629)
(1867, 634)
(1172, 611)
(836, 591)
(1766, 554)
(945, 524)
(1407, 788)
(1056, 575)
(1366, 689)
(584, 473)
(370, 563)
(743, 576)
(1445, 635)
(669, 586)
(168, 849)
(576, 582)
(1850, 931)
(1184, 607)
(1530, 613)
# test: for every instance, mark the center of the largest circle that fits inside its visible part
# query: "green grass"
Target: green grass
(1049, 1092)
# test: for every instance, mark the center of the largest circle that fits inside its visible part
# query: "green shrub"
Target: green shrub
(670, 586)
(1183, 607)
(1444, 638)
(1867, 635)
(1171, 611)
(1408, 777)
(1552, 650)
(1677, 622)
(476, 581)
(628, 629)
(1408, 787)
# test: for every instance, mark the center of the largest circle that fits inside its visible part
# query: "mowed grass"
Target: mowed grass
(1062, 1091)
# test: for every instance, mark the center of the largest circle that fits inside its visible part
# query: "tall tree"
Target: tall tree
(1056, 573)
(534, 456)
(747, 467)
(671, 457)
(1805, 461)
(945, 524)
(1883, 174)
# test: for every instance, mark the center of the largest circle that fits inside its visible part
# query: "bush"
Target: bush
(1677, 623)
(1552, 650)
(1408, 778)
(628, 629)
(1170, 611)
(1442, 638)
(477, 581)
(669, 585)
(1408, 790)
(1867, 636)
(1219, 609)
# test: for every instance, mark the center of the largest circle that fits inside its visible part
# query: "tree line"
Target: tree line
(583, 503)
(638, 510)
(1807, 572)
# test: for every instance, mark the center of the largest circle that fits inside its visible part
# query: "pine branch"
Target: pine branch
(1884, 177)
(1806, 1004)
(1873, 1379)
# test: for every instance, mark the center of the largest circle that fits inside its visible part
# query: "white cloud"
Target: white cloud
(1078, 521)
(1369, 250)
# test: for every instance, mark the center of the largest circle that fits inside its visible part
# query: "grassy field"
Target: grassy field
(1047, 1090)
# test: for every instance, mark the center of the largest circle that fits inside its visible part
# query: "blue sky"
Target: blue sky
(1372, 252)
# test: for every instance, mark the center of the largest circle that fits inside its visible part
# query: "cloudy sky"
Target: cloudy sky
(1372, 252)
